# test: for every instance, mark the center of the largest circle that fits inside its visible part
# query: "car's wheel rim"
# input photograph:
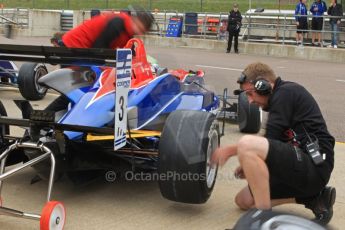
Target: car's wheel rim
(57, 218)
(40, 73)
(283, 222)
(212, 146)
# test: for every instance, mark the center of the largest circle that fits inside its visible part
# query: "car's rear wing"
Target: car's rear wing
(121, 59)
(58, 55)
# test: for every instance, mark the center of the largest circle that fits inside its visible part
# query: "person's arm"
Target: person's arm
(339, 13)
(240, 18)
(324, 7)
(229, 21)
(221, 155)
(297, 12)
(232, 17)
(236, 18)
(329, 11)
(312, 8)
(111, 31)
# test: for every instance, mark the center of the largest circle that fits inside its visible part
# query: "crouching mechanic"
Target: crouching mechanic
(282, 167)
(106, 31)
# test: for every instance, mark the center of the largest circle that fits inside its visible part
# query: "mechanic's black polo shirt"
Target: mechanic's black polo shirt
(290, 106)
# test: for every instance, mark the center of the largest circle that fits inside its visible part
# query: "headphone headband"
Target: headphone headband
(261, 85)
(243, 78)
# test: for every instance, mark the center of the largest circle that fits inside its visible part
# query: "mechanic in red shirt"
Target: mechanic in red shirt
(109, 30)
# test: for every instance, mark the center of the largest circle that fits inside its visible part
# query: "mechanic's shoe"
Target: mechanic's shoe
(236, 51)
(322, 205)
(228, 51)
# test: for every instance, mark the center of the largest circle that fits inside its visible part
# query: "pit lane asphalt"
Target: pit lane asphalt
(138, 204)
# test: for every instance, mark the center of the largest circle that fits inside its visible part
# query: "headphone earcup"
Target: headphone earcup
(263, 87)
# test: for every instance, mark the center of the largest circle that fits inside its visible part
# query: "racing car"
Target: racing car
(119, 119)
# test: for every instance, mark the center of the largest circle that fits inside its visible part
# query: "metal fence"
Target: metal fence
(260, 27)
(282, 29)
(19, 17)
(179, 5)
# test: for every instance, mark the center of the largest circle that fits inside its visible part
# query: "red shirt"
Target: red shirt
(86, 34)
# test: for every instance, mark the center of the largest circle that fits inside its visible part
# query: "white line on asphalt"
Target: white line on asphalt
(341, 80)
(216, 67)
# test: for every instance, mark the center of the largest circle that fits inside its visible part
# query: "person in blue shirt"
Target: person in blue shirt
(318, 8)
(301, 13)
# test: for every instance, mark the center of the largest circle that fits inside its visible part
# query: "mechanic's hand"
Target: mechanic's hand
(221, 155)
(338, 22)
(297, 23)
(239, 173)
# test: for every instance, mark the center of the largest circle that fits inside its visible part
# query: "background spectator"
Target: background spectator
(336, 11)
(234, 27)
(301, 21)
(318, 8)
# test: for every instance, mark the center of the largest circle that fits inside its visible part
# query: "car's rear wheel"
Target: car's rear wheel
(28, 76)
(249, 115)
(188, 141)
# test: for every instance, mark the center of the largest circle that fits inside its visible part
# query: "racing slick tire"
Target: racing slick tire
(268, 220)
(28, 76)
(187, 143)
(249, 115)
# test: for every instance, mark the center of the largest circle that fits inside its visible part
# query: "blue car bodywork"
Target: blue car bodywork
(146, 104)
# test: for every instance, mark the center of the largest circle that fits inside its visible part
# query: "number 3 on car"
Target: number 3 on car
(123, 83)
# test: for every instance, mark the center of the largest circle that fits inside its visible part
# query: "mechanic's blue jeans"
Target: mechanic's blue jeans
(334, 28)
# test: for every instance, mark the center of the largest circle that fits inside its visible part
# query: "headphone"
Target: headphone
(261, 85)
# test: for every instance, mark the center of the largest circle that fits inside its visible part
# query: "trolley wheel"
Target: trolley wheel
(53, 216)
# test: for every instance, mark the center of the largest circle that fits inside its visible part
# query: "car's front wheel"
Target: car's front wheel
(188, 141)
(28, 76)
